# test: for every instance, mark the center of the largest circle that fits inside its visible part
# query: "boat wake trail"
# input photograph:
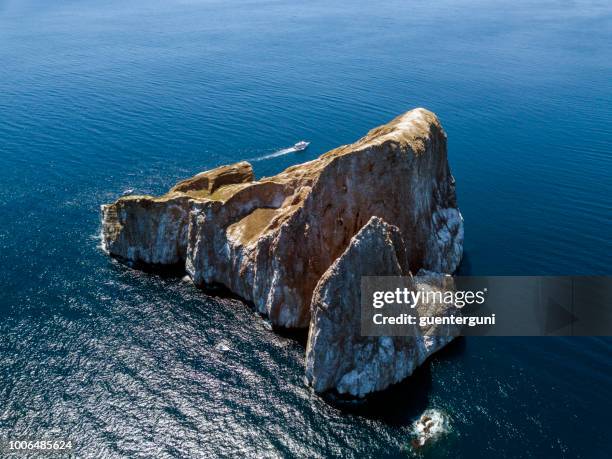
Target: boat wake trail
(284, 151)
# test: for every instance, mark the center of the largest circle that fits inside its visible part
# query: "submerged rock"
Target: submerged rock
(270, 241)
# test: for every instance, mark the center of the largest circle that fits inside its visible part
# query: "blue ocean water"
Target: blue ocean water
(98, 97)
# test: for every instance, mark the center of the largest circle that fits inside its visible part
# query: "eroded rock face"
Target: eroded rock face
(153, 230)
(271, 240)
(337, 356)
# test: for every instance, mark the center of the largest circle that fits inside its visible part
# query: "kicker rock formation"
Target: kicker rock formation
(271, 240)
(337, 356)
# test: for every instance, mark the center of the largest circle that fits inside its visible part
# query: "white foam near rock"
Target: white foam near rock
(430, 426)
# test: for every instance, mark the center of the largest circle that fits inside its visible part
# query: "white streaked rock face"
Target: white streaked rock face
(153, 230)
(445, 240)
(142, 229)
(337, 356)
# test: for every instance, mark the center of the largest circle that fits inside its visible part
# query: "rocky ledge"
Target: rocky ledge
(293, 244)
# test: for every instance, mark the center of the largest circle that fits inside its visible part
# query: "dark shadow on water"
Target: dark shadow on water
(221, 291)
(164, 271)
(455, 349)
(401, 403)
(397, 405)
(216, 290)
(298, 335)
(465, 267)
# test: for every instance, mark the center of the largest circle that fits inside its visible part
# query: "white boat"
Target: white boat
(301, 145)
